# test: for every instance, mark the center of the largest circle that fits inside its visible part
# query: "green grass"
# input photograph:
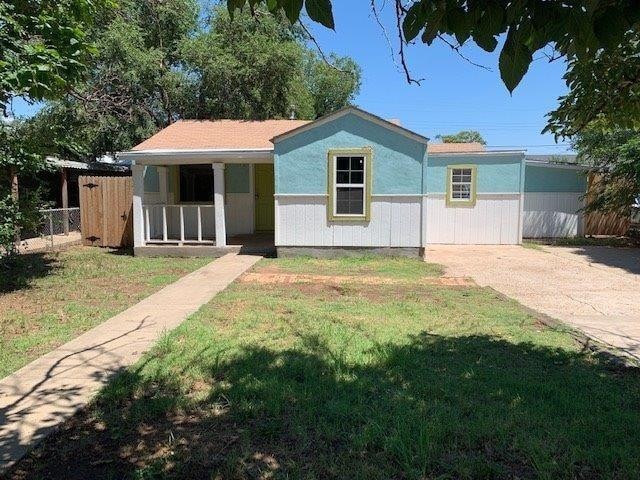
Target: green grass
(402, 381)
(372, 266)
(532, 245)
(48, 299)
(600, 241)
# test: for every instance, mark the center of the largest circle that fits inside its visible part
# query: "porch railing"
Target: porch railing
(179, 223)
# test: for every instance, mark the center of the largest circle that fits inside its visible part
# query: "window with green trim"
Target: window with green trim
(461, 185)
(349, 184)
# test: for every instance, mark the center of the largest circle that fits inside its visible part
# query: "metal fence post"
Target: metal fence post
(51, 227)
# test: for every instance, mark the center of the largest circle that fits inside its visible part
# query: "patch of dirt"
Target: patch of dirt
(290, 278)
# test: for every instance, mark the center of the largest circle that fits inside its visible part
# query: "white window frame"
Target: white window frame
(337, 185)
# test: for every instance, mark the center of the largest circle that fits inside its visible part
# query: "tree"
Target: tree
(43, 50)
(143, 78)
(464, 136)
(579, 31)
(245, 69)
(615, 154)
(605, 88)
(332, 84)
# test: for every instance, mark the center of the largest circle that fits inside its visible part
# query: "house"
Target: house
(349, 180)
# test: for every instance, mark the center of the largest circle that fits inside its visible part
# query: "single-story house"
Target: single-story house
(349, 180)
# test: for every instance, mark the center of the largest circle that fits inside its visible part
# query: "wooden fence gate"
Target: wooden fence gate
(106, 206)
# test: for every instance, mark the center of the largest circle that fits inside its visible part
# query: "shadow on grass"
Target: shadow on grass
(123, 251)
(465, 407)
(18, 271)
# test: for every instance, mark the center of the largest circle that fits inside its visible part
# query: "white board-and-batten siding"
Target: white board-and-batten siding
(493, 220)
(301, 220)
(552, 214)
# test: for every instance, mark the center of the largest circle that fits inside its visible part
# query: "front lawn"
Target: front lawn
(48, 299)
(391, 381)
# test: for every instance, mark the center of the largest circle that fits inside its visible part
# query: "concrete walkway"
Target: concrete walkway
(596, 289)
(39, 397)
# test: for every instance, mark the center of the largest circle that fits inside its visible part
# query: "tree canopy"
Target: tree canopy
(615, 154)
(43, 47)
(463, 136)
(594, 37)
(158, 61)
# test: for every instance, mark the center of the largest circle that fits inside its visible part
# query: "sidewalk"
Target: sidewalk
(42, 395)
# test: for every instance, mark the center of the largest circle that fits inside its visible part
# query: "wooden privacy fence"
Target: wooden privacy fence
(106, 205)
(596, 223)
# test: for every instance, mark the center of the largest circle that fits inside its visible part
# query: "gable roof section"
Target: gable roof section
(470, 147)
(356, 111)
(218, 135)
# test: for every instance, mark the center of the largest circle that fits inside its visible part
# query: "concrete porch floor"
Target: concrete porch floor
(251, 244)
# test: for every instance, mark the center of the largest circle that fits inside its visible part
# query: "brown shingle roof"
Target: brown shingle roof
(218, 134)
(455, 147)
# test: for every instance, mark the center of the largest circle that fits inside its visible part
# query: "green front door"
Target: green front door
(264, 197)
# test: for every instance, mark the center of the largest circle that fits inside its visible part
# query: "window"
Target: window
(349, 186)
(461, 188)
(196, 183)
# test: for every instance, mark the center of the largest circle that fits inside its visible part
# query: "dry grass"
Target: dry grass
(303, 381)
(48, 299)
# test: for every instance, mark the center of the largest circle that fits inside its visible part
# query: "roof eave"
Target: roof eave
(570, 166)
(357, 111)
(483, 153)
(187, 154)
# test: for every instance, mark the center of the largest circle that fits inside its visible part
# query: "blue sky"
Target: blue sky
(454, 94)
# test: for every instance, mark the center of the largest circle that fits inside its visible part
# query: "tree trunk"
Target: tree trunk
(15, 196)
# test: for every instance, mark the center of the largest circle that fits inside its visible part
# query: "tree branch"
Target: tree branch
(400, 10)
(456, 48)
(374, 10)
(325, 59)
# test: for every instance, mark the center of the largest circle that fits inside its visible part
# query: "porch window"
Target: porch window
(350, 190)
(196, 184)
(461, 185)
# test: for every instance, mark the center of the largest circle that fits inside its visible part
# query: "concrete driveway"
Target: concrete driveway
(596, 289)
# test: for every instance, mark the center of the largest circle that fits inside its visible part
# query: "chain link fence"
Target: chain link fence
(58, 227)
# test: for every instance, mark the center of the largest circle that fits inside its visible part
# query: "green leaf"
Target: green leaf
(414, 21)
(514, 61)
(485, 41)
(292, 9)
(609, 27)
(320, 11)
(492, 19)
(233, 5)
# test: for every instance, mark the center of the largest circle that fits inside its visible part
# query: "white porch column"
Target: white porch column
(218, 200)
(137, 171)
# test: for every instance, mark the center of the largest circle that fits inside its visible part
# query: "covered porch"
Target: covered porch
(199, 207)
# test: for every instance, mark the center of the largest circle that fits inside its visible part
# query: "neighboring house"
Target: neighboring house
(347, 180)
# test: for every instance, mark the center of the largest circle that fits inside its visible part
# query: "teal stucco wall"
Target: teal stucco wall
(554, 179)
(301, 160)
(495, 173)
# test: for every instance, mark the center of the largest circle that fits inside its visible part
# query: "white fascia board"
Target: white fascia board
(176, 157)
(499, 153)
